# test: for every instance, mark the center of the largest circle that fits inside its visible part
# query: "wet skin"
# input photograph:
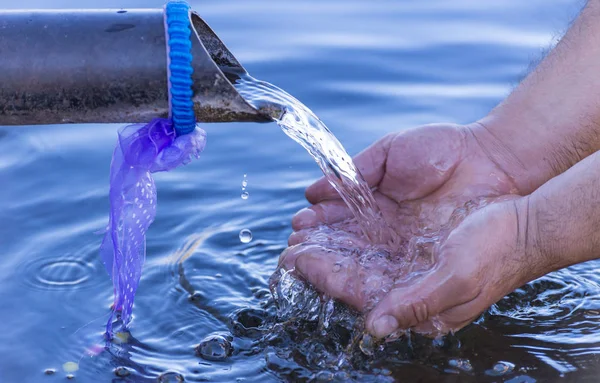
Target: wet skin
(493, 251)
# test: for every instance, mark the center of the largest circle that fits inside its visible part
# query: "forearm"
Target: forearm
(560, 222)
(552, 119)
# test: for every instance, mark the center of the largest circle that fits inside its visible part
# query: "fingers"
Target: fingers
(370, 163)
(327, 271)
(288, 257)
(326, 212)
(297, 237)
(335, 275)
(415, 305)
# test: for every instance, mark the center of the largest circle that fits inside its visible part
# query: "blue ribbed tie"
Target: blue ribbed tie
(177, 23)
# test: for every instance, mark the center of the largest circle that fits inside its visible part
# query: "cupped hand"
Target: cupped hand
(494, 250)
(420, 178)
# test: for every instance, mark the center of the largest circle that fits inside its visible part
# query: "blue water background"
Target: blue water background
(366, 68)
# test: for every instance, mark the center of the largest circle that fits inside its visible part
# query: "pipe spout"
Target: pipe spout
(108, 66)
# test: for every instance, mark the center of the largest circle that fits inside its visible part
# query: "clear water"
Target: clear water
(301, 124)
(408, 63)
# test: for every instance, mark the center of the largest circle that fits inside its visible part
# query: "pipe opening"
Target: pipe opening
(225, 60)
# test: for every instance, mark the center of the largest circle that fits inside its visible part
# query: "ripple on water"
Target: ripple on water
(563, 297)
(58, 273)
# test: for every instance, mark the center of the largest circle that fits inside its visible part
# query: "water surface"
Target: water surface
(366, 69)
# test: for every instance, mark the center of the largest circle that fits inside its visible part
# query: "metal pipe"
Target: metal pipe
(103, 66)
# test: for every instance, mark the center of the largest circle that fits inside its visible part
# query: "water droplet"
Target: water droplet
(245, 236)
(337, 267)
(214, 348)
(70, 376)
(245, 195)
(122, 372)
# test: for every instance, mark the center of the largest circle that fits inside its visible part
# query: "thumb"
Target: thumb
(411, 306)
(470, 275)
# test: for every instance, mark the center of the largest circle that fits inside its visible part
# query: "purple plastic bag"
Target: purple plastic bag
(141, 150)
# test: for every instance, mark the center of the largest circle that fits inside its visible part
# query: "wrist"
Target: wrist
(558, 222)
(538, 254)
(533, 143)
(517, 148)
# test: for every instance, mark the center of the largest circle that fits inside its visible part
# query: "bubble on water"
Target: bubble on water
(245, 236)
(215, 348)
(245, 195)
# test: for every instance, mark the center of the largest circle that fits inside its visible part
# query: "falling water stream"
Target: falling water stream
(301, 124)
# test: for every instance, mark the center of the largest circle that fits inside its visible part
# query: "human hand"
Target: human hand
(421, 177)
(493, 251)
(498, 249)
